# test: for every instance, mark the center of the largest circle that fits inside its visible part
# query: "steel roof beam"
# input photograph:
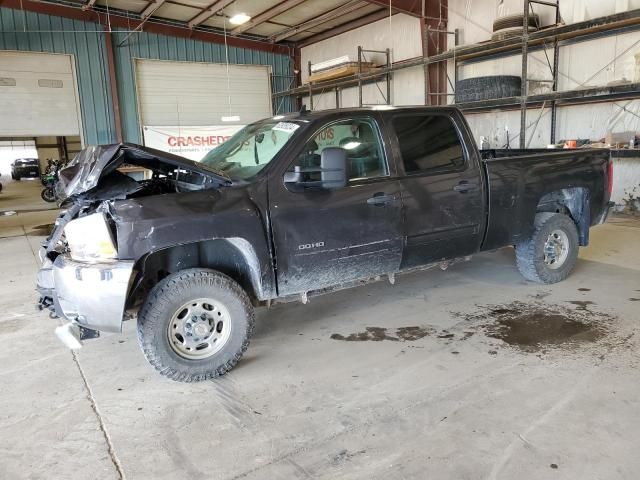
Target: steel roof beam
(151, 8)
(410, 7)
(122, 19)
(345, 27)
(349, 7)
(267, 15)
(209, 12)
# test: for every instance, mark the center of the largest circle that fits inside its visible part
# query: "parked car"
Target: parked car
(293, 206)
(25, 168)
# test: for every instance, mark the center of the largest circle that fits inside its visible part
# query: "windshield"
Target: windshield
(251, 149)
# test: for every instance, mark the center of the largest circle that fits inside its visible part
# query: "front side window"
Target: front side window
(359, 137)
(251, 149)
(428, 144)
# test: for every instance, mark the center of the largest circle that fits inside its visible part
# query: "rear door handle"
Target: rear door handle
(464, 187)
(380, 199)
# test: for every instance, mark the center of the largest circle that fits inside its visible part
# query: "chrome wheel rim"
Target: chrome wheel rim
(199, 329)
(556, 249)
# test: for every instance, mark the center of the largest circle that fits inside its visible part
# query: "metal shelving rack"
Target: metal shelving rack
(311, 88)
(558, 35)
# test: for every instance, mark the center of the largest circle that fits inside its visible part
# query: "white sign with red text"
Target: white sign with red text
(189, 142)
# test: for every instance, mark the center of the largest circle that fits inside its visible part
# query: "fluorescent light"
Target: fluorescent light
(239, 19)
(351, 145)
(383, 107)
(233, 118)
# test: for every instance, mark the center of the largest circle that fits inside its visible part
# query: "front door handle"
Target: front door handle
(464, 187)
(380, 199)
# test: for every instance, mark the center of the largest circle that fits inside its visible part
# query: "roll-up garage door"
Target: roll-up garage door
(38, 95)
(189, 107)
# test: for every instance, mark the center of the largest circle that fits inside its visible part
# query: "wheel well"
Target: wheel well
(232, 256)
(573, 202)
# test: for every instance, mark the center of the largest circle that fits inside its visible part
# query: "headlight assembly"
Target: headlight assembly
(89, 239)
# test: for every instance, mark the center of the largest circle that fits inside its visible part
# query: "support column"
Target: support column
(525, 74)
(435, 42)
(115, 100)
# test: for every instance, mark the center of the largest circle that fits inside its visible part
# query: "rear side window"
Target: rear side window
(428, 144)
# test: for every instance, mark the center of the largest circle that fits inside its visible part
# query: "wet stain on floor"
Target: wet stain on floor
(581, 304)
(538, 327)
(378, 334)
(532, 331)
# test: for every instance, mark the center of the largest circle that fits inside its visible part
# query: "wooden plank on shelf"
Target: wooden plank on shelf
(340, 71)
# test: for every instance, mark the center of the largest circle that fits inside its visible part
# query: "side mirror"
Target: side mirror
(333, 170)
(334, 167)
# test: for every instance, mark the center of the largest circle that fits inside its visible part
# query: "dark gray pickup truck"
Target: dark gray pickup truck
(298, 205)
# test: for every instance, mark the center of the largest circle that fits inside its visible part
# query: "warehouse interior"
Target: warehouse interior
(461, 368)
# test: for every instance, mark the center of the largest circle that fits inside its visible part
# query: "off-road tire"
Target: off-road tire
(530, 254)
(487, 88)
(161, 304)
(513, 21)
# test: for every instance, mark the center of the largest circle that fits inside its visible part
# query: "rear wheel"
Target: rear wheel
(195, 325)
(551, 253)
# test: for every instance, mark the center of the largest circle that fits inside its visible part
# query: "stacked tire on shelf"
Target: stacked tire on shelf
(512, 26)
(497, 86)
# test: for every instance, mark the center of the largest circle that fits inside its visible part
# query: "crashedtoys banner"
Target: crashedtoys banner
(189, 142)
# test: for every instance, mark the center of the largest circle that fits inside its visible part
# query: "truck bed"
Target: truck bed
(524, 182)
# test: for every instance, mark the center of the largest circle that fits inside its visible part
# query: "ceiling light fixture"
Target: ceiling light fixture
(239, 19)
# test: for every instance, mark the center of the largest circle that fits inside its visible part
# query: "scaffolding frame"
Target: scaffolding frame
(558, 36)
(358, 78)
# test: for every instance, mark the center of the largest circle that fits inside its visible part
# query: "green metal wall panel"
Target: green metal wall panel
(28, 31)
(161, 47)
(33, 32)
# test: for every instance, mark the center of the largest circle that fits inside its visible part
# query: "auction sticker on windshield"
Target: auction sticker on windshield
(286, 126)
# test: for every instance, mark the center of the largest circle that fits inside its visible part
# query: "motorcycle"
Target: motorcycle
(49, 180)
(48, 193)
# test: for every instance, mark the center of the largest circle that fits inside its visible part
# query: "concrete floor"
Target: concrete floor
(454, 404)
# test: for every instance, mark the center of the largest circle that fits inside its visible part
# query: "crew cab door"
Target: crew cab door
(327, 237)
(442, 187)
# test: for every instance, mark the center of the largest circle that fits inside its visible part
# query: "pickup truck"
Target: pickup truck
(297, 205)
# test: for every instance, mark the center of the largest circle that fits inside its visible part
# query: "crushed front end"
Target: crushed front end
(85, 286)
(82, 278)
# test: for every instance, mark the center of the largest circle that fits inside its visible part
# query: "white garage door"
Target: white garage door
(38, 95)
(196, 94)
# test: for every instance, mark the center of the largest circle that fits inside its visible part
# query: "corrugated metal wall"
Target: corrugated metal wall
(161, 47)
(44, 33)
(34, 32)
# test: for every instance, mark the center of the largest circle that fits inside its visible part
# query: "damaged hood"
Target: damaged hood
(86, 169)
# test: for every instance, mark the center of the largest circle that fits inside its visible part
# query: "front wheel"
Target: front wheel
(48, 195)
(551, 253)
(195, 325)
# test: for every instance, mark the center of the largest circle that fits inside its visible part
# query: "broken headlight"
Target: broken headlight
(89, 239)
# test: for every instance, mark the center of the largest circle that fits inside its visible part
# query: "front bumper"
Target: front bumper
(90, 295)
(27, 173)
